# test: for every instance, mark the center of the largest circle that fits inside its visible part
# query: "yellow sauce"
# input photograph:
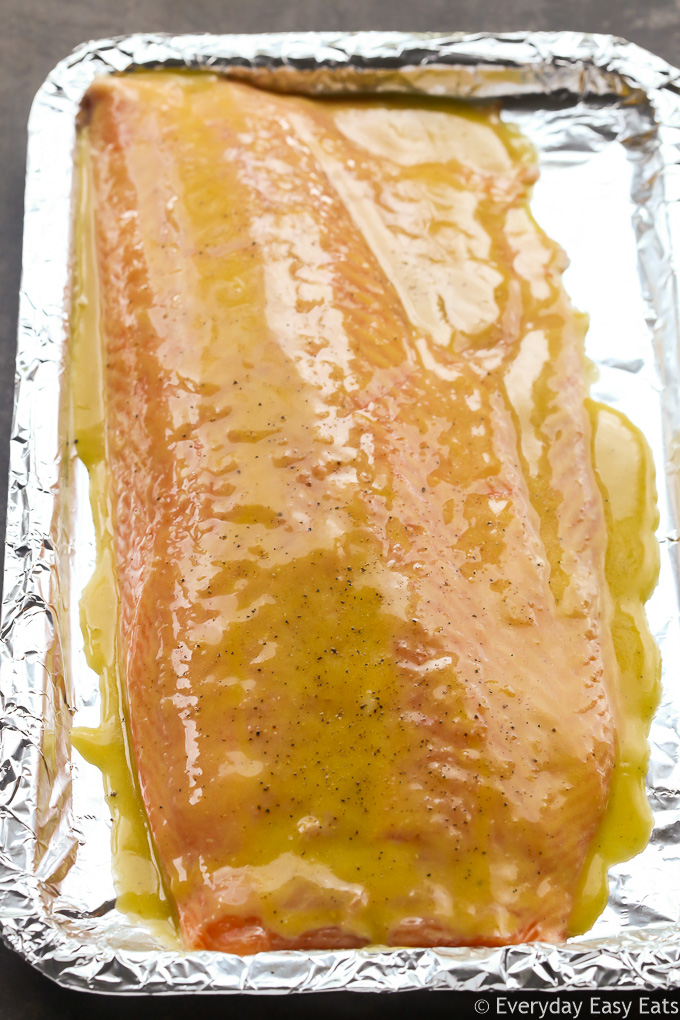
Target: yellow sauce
(624, 474)
(137, 873)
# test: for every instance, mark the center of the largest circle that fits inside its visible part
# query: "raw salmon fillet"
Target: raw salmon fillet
(359, 541)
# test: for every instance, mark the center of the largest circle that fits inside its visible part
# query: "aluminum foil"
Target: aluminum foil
(604, 116)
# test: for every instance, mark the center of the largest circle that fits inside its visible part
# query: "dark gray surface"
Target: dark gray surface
(34, 36)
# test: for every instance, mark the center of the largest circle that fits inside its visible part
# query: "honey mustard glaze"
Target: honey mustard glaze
(137, 874)
(376, 531)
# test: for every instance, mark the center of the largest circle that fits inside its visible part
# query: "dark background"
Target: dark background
(34, 36)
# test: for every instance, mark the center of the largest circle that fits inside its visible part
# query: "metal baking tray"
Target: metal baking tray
(604, 116)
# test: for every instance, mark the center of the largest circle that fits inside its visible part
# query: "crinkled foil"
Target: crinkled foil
(604, 116)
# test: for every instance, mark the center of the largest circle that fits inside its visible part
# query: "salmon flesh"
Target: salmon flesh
(360, 545)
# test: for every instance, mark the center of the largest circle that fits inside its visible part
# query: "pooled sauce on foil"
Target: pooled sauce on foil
(138, 875)
(359, 635)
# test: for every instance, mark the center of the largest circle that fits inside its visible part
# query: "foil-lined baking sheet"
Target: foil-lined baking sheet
(604, 116)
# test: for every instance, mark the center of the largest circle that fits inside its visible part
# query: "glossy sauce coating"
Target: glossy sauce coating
(357, 539)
